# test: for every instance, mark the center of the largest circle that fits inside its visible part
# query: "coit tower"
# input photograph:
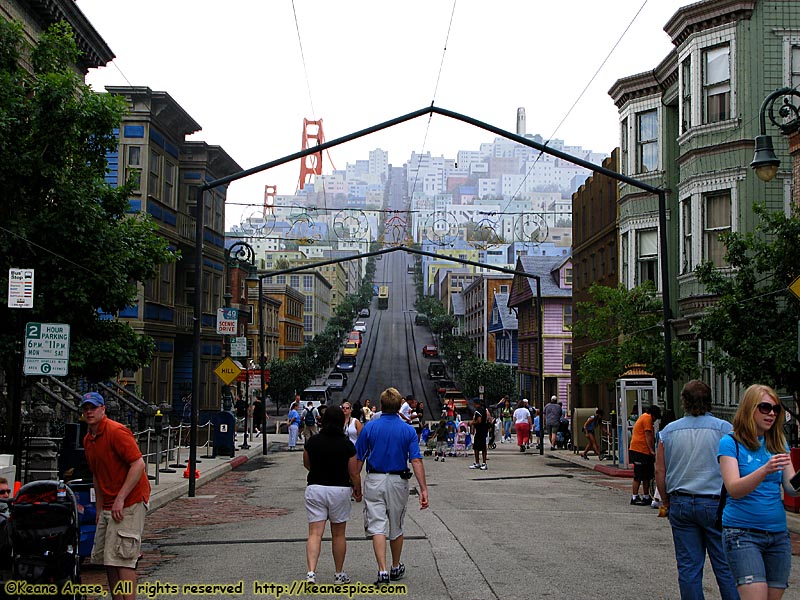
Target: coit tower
(521, 121)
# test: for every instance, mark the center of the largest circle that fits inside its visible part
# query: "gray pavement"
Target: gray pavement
(531, 526)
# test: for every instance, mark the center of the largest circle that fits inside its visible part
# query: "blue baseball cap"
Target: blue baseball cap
(93, 398)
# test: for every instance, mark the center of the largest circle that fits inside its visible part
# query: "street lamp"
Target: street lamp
(765, 162)
(240, 252)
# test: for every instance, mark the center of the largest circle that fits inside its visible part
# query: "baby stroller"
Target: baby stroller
(564, 435)
(45, 535)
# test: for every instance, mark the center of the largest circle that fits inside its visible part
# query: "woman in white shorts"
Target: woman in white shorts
(333, 477)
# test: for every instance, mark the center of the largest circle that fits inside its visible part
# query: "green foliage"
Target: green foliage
(626, 328)
(753, 325)
(58, 214)
(496, 379)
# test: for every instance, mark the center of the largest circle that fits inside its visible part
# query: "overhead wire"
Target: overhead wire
(433, 100)
(578, 99)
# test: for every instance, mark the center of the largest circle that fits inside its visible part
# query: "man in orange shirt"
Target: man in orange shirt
(122, 492)
(643, 455)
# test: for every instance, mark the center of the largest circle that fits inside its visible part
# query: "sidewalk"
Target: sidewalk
(173, 484)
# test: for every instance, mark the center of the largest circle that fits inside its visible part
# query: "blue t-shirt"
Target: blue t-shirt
(387, 444)
(763, 507)
(294, 417)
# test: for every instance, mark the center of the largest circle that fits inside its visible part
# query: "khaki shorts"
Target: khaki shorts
(326, 502)
(385, 500)
(119, 544)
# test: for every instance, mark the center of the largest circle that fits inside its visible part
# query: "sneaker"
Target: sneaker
(443, 459)
(311, 577)
(474, 466)
(484, 467)
(341, 578)
(522, 448)
(437, 458)
(655, 504)
(397, 572)
(383, 579)
(636, 501)
(645, 501)
(552, 448)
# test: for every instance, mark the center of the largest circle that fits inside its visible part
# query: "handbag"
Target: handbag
(723, 493)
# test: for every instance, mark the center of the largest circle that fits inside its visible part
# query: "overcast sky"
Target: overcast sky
(236, 67)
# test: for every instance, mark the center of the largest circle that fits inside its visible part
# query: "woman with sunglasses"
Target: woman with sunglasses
(755, 464)
(352, 426)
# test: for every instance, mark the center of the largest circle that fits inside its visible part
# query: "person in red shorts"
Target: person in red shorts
(122, 491)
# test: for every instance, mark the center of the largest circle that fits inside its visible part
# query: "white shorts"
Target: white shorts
(326, 502)
(385, 501)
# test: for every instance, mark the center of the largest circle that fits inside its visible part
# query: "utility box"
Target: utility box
(224, 433)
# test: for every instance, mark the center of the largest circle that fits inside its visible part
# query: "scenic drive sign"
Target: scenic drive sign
(227, 320)
(46, 349)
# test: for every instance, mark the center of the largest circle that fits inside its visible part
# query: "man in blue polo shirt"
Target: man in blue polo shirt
(387, 444)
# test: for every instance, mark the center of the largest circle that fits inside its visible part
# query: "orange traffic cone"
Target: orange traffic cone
(186, 473)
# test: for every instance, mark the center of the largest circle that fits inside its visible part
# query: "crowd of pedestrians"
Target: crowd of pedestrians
(719, 484)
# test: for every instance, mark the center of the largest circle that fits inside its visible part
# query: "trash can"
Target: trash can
(87, 512)
(224, 433)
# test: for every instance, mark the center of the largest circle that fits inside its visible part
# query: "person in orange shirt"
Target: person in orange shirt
(122, 491)
(643, 455)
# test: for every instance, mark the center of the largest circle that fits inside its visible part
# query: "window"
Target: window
(716, 84)
(686, 95)
(794, 75)
(308, 323)
(309, 303)
(567, 316)
(169, 184)
(280, 279)
(623, 144)
(647, 141)
(503, 289)
(625, 259)
(154, 182)
(568, 275)
(133, 170)
(686, 220)
(294, 281)
(308, 282)
(716, 220)
(567, 355)
(647, 256)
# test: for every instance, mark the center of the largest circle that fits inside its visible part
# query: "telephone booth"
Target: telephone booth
(636, 390)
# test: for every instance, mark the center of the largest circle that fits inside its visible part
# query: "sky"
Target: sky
(249, 72)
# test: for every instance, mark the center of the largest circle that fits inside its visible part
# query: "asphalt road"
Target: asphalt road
(529, 527)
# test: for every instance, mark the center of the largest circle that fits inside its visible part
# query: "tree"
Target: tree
(753, 323)
(497, 379)
(626, 325)
(60, 217)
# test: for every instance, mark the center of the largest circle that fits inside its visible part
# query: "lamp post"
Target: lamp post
(241, 251)
(765, 162)
(262, 362)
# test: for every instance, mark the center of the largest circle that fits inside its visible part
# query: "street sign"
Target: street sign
(20, 288)
(46, 349)
(794, 287)
(227, 320)
(255, 376)
(227, 371)
(239, 346)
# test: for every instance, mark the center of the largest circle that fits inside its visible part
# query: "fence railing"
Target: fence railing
(157, 450)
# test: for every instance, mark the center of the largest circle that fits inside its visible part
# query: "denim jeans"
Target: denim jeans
(507, 429)
(693, 534)
(757, 557)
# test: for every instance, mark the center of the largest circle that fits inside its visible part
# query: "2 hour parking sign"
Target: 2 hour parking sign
(46, 349)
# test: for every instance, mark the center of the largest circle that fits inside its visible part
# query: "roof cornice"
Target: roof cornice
(704, 15)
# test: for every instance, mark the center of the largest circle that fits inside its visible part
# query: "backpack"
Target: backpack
(309, 418)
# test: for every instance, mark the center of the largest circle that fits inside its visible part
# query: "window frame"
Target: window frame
(643, 144)
(716, 230)
(723, 87)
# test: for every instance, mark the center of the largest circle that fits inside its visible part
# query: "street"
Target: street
(529, 527)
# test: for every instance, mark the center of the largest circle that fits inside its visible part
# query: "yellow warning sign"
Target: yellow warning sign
(227, 371)
(794, 287)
